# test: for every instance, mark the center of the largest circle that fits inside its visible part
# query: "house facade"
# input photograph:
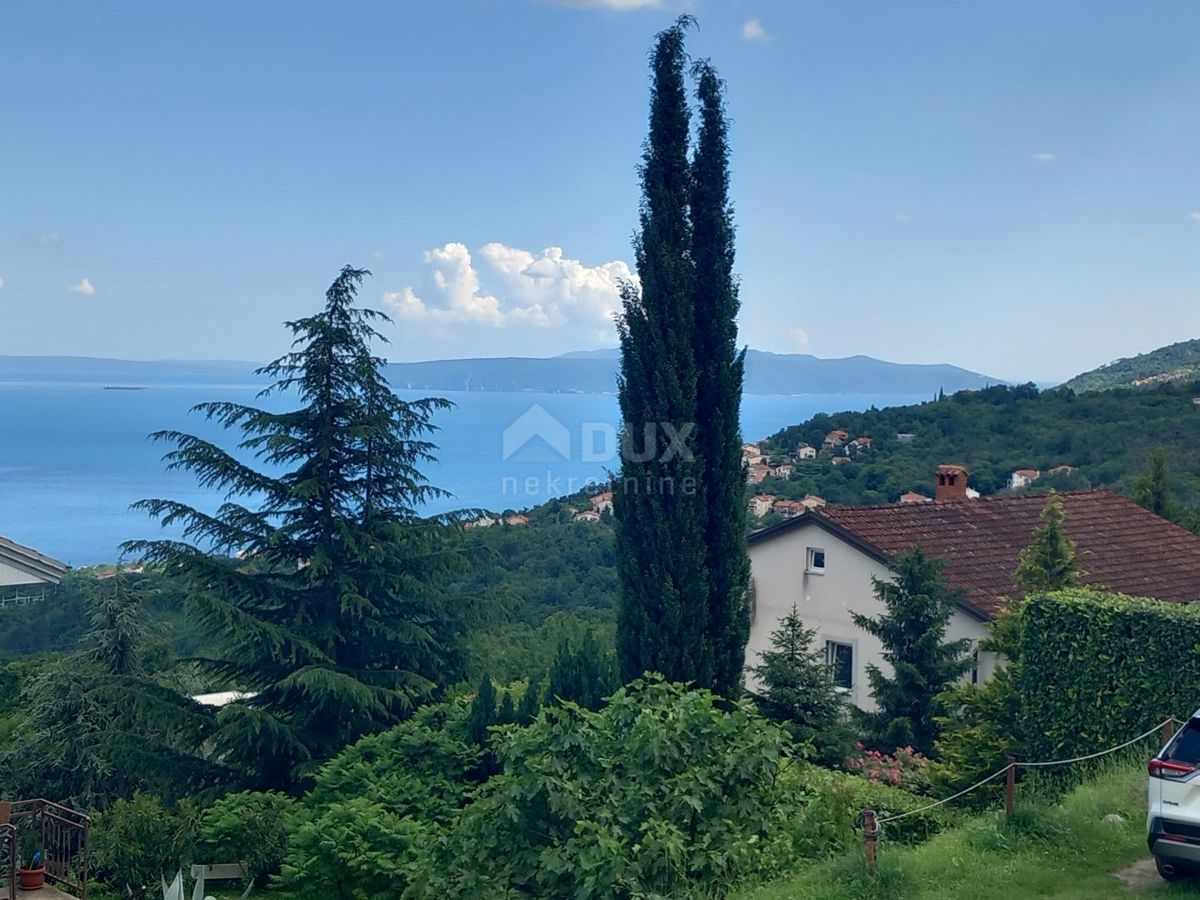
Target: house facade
(25, 574)
(823, 562)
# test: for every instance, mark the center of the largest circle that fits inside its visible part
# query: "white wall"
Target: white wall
(825, 602)
(10, 575)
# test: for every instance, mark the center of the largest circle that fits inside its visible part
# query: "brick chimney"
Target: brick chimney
(951, 483)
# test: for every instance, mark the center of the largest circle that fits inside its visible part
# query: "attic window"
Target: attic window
(815, 564)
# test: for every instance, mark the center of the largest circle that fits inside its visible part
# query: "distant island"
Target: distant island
(1175, 362)
(595, 371)
(583, 372)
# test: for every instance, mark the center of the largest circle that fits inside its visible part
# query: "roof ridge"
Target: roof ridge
(1023, 497)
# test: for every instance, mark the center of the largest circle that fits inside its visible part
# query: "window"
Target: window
(1186, 746)
(816, 561)
(839, 657)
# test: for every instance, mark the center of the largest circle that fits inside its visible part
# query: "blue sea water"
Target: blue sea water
(74, 456)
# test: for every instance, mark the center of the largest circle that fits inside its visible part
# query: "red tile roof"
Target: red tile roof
(1121, 546)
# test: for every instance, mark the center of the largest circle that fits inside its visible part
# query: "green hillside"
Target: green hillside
(1170, 364)
(1105, 437)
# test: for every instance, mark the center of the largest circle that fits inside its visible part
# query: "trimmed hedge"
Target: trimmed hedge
(1100, 668)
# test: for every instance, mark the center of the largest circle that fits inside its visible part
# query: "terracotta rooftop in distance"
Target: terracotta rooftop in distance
(1121, 546)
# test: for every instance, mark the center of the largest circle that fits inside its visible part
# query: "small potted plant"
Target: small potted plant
(31, 872)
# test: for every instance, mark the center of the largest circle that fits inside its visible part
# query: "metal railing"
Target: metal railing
(64, 836)
(8, 859)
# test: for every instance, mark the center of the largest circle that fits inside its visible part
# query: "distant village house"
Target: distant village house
(1023, 478)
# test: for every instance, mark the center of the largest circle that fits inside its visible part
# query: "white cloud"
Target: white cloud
(1044, 157)
(377, 254)
(798, 337)
(753, 31)
(84, 287)
(44, 238)
(1194, 216)
(543, 290)
(1, 283)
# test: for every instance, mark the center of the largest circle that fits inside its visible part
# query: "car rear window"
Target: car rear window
(1186, 746)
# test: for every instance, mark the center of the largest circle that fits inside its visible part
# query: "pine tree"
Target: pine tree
(1049, 562)
(99, 724)
(330, 619)
(507, 713)
(531, 701)
(719, 391)
(585, 674)
(663, 611)
(1153, 490)
(798, 689)
(483, 712)
(917, 609)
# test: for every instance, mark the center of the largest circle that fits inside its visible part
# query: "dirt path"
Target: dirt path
(1141, 877)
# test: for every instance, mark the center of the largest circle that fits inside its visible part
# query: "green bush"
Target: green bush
(250, 828)
(663, 792)
(377, 806)
(135, 842)
(1101, 668)
(828, 817)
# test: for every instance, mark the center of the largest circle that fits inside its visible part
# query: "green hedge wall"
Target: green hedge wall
(1101, 668)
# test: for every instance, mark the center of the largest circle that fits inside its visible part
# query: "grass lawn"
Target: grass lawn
(1064, 851)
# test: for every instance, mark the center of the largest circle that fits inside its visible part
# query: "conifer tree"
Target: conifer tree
(531, 701)
(720, 373)
(507, 713)
(679, 502)
(798, 690)
(1152, 489)
(483, 712)
(98, 724)
(662, 612)
(1049, 562)
(583, 674)
(329, 618)
(917, 609)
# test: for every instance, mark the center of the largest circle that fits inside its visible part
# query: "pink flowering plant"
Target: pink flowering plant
(906, 768)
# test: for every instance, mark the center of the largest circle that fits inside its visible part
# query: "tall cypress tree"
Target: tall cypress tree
(719, 389)
(681, 515)
(662, 614)
(330, 618)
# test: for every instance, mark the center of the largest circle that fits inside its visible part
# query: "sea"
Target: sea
(74, 455)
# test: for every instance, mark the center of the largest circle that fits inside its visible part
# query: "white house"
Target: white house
(25, 574)
(1023, 478)
(823, 562)
(760, 504)
(806, 452)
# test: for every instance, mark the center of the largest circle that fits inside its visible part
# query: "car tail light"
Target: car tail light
(1166, 768)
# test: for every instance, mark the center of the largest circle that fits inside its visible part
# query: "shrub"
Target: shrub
(355, 849)
(906, 768)
(661, 793)
(135, 842)
(828, 815)
(1100, 668)
(248, 827)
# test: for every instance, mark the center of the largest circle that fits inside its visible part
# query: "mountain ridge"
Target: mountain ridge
(583, 371)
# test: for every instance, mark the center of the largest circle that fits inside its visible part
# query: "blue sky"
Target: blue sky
(1013, 187)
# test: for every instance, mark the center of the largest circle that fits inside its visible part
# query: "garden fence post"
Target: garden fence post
(870, 828)
(1010, 786)
(1168, 730)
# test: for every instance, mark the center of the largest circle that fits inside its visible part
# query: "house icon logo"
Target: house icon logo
(536, 436)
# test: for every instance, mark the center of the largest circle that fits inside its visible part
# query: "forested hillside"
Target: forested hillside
(1107, 437)
(1173, 363)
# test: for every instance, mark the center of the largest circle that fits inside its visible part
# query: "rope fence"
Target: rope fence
(872, 825)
